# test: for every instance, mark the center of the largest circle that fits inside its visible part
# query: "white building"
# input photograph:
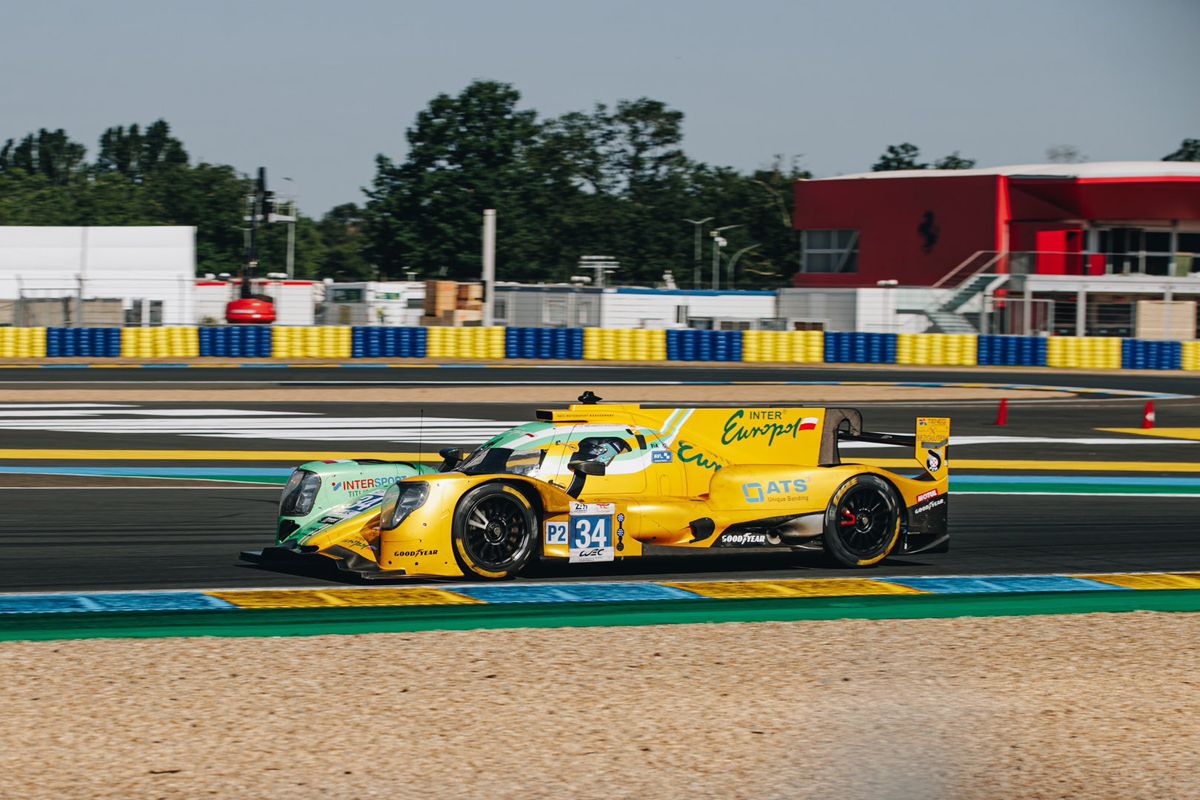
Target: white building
(97, 275)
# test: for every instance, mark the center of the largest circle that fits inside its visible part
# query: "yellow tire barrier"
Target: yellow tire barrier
(170, 342)
(22, 342)
(318, 341)
(625, 344)
(938, 349)
(1084, 352)
(795, 347)
(1191, 355)
(481, 343)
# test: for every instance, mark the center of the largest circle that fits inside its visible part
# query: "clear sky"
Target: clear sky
(313, 90)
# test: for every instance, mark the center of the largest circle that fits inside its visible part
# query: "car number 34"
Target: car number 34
(591, 534)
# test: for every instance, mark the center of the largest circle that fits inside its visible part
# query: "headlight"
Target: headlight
(400, 500)
(299, 494)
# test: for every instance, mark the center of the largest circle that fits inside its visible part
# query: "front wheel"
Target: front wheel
(494, 532)
(862, 522)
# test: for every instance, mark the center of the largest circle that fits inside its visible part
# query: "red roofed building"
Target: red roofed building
(938, 227)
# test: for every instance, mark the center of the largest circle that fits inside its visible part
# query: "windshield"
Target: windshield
(493, 460)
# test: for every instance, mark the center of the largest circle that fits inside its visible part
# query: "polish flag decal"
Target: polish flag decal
(809, 424)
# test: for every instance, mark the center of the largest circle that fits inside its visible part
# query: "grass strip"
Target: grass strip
(315, 622)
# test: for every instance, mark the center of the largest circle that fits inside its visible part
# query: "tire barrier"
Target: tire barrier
(159, 343)
(599, 344)
(482, 343)
(1141, 354)
(1191, 356)
(607, 344)
(695, 345)
(1084, 352)
(249, 341)
(544, 343)
(1012, 351)
(22, 342)
(860, 348)
(936, 349)
(388, 342)
(318, 341)
(795, 347)
(86, 342)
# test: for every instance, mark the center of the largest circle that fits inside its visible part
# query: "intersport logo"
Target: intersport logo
(364, 484)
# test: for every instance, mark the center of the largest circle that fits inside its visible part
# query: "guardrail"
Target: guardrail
(600, 344)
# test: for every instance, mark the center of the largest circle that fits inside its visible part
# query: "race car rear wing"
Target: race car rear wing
(930, 443)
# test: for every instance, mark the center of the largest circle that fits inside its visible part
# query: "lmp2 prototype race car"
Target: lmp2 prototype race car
(596, 483)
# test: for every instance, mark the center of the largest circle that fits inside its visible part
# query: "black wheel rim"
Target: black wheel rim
(494, 534)
(864, 521)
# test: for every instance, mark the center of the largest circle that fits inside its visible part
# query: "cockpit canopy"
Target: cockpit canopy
(542, 450)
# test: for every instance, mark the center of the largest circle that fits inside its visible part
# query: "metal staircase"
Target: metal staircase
(945, 315)
(949, 322)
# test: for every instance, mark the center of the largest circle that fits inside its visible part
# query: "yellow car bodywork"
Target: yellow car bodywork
(701, 478)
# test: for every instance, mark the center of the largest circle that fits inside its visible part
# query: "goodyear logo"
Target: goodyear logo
(773, 490)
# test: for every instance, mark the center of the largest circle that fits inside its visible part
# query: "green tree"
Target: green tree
(761, 204)
(954, 161)
(906, 155)
(135, 154)
(1189, 150)
(897, 157)
(466, 154)
(344, 243)
(51, 154)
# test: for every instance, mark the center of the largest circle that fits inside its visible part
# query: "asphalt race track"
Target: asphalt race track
(420, 373)
(71, 523)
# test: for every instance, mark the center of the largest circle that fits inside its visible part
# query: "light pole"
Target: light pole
(733, 261)
(291, 243)
(719, 241)
(696, 258)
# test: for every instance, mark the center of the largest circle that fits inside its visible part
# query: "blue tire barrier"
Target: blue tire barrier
(85, 342)
(699, 345)
(388, 342)
(236, 341)
(558, 344)
(1144, 354)
(860, 348)
(1012, 351)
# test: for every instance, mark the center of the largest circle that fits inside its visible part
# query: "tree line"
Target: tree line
(612, 181)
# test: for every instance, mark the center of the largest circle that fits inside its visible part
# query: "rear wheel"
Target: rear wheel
(494, 531)
(862, 522)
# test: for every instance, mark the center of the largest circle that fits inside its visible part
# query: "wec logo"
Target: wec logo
(773, 490)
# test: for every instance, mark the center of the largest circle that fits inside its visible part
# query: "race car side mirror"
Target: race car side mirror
(450, 458)
(581, 470)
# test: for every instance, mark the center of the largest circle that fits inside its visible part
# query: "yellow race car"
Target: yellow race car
(598, 482)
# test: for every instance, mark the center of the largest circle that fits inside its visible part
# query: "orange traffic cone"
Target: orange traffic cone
(1002, 413)
(1148, 415)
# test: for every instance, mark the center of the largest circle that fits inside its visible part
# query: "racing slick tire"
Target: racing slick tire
(862, 522)
(495, 532)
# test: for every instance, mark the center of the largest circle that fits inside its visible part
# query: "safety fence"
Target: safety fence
(600, 344)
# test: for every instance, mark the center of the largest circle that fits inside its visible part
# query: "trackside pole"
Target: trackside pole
(1002, 413)
(489, 266)
(1148, 415)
